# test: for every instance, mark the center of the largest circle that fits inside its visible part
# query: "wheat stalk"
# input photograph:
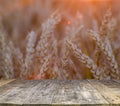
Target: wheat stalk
(32, 36)
(97, 73)
(6, 66)
(2, 51)
(104, 27)
(65, 62)
(44, 45)
(20, 59)
(45, 67)
(47, 30)
(107, 50)
(9, 62)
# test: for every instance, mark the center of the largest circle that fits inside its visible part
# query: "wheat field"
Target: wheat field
(59, 39)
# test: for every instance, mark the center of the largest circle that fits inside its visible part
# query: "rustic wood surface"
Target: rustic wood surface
(59, 93)
(3, 82)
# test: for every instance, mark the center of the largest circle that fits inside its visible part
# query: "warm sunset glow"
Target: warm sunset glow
(27, 2)
(59, 39)
(69, 23)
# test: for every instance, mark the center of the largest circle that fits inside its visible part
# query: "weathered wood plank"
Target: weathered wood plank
(20, 93)
(43, 92)
(118, 81)
(113, 85)
(3, 82)
(8, 87)
(77, 92)
(92, 94)
(106, 92)
(15, 94)
(59, 93)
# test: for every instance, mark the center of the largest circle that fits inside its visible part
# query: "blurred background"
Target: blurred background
(19, 17)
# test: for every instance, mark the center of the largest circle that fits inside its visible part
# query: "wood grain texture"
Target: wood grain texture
(60, 93)
(106, 92)
(77, 92)
(3, 82)
(118, 81)
(19, 94)
(43, 92)
(113, 85)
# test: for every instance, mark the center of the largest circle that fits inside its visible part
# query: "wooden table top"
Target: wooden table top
(59, 93)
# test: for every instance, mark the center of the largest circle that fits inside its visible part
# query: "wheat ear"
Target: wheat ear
(44, 44)
(107, 50)
(6, 68)
(32, 36)
(97, 73)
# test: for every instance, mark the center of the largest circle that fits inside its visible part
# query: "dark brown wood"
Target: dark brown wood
(59, 93)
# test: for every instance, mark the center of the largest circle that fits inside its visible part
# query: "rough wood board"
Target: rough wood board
(43, 92)
(60, 93)
(6, 89)
(113, 85)
(106, 92)
(118, 81)
(19, 94)
(77, 92)
(3, 82)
